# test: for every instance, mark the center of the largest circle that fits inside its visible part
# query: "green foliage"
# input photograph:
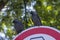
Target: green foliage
(48, 10)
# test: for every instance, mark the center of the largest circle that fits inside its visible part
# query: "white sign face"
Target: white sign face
(40, 37)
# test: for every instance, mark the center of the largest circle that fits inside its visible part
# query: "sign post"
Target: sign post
(39, 33)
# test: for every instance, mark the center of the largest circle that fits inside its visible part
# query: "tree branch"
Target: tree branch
(3, 3)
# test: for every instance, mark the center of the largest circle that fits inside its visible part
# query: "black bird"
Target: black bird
(18, 26)
(35, 18)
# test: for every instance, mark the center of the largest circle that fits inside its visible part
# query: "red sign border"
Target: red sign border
(44, 30)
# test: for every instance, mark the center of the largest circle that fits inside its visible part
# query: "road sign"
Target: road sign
(39, 33)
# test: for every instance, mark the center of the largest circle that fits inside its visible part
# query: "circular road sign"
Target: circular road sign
(39, 33)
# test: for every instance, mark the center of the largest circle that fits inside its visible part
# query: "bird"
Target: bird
(35, 18)
(18, 25)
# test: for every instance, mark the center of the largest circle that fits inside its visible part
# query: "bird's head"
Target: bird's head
(15, 21)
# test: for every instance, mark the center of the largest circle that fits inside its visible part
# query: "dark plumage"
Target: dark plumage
(36, 19)
(18, 26)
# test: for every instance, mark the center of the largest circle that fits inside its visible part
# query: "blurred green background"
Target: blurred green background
(48, 10)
